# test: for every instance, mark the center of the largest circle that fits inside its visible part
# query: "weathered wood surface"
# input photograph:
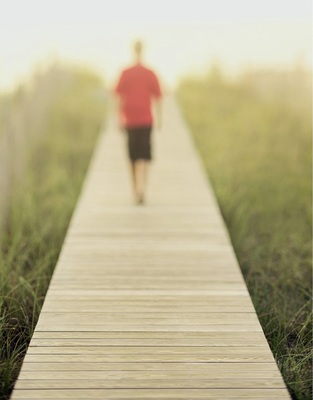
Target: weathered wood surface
(148, 302)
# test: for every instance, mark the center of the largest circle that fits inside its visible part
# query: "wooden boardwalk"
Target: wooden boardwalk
(148, 302)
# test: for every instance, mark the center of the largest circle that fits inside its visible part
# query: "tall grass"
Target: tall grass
(39, 214)
(23, 117)
(255, 141)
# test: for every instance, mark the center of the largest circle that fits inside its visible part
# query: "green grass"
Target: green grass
(256, 148)
(40, 212)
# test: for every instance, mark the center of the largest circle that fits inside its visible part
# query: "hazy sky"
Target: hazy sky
(180, 37)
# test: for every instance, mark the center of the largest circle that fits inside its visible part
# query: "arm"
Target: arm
(118, 103)
(157, 97)
(118, 111)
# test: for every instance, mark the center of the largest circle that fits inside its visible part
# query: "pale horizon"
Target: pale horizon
(98, 34)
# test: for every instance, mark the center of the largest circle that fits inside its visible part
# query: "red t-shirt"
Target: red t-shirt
(137, 86)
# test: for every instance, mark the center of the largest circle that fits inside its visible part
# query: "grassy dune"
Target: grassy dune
(254, 136)
(40, 212)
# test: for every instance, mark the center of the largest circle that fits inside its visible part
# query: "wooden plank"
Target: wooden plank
(193, 274)
(139, 382)
(206, 351)
(255, 369)
(219, 287)
(147, 328)
(84, 293)
(171, 342)
(95, 307)
(164, 376)
(144, 294)
(151, 281)
(149, 394)
(92, 307)
(228, 335)
(201, 318)
(148, 302)
(251, 354)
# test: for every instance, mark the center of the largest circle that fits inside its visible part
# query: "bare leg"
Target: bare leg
(142, 170)
(134, 176)
(139, 171)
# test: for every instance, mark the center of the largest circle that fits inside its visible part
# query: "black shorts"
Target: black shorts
(139, 143)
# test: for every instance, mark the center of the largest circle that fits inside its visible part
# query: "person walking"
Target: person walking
(137, 89)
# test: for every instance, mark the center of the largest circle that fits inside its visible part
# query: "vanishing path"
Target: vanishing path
(148, 302)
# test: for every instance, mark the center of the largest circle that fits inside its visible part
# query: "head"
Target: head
(138, 50)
